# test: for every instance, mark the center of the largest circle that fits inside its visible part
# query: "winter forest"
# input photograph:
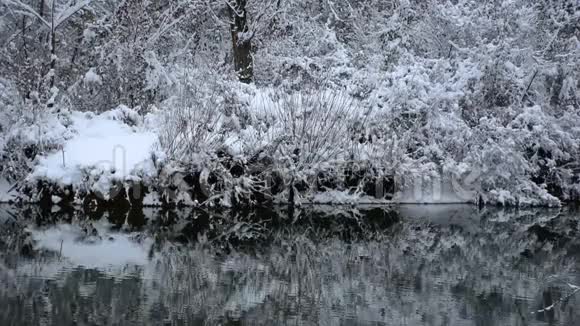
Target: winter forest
(303, 162)
(245, 102)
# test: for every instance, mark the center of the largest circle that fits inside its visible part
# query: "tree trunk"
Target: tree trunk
(52, 71)
(241, 40)
(24, 36)
(41, 13)
(52, 48)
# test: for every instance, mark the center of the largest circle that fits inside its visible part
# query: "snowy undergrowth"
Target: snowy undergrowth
(313, 142)
(421, 134)
(307, 148)
(27, 130)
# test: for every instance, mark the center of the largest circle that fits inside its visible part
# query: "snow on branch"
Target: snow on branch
(68, 12)
(26, 9)
(331, 6)
(234, 8)
(58, 20)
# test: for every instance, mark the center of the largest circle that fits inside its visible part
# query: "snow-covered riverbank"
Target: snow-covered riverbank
(122, 157)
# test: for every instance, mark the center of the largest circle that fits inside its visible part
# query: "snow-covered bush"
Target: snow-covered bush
(27, 129)
(312, 128)
(191, 125)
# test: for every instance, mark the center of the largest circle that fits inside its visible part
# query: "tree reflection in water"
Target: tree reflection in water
(409, 265)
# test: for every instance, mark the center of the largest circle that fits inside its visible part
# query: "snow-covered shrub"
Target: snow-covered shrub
(311, 137)
(531, 160)
(313, 128)
(550, 145)
(27, 129)
(126, 115)
(191, 125)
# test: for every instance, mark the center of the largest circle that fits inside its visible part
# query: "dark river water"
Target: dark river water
(406, 265)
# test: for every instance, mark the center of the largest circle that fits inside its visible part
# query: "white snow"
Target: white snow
(7, 194)
(100, 144)
(91, 77)
(151, 199)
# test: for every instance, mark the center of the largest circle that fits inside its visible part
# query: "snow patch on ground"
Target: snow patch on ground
(100, 144)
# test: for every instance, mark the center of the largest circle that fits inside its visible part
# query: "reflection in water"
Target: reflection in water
(417, 265)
